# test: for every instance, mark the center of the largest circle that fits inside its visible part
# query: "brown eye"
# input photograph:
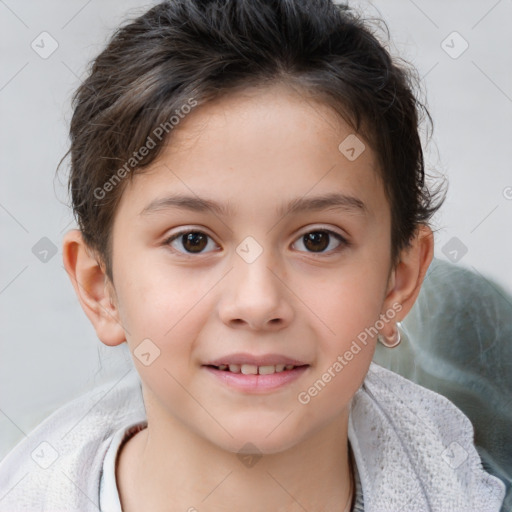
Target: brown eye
(193, 242)
(318, 241)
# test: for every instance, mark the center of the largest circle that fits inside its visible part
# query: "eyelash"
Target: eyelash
(343, 242)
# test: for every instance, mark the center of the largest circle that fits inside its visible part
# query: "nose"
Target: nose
(255, 297)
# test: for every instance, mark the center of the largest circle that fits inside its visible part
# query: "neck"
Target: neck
(162, 467)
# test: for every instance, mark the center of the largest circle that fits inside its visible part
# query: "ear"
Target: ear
(407, 276)
(93, 288)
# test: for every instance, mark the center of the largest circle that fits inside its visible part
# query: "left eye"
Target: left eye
(319, 240)
(194, 242)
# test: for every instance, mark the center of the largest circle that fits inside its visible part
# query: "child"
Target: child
(213, 145)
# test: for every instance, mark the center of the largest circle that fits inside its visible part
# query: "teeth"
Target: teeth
(249, 369)
(266, 370)
(252, 369)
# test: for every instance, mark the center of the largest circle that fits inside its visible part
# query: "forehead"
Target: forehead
(256, 115)
(273, 143)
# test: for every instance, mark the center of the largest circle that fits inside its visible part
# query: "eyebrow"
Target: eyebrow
(330, 201)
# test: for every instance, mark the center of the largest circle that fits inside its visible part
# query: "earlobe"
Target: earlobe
(93, 288)
(407, 277)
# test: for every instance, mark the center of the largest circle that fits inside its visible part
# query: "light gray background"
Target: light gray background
(49, 352)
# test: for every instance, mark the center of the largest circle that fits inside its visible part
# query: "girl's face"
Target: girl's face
(287, 261)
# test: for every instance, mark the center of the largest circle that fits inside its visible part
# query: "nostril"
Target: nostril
(240, 321)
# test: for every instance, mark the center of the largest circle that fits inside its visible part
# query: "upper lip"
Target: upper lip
(263, 360)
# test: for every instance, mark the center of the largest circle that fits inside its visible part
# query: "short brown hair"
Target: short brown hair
(188, 52)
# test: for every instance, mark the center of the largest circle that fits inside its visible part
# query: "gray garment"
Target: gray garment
(358, 503)
(457, 341)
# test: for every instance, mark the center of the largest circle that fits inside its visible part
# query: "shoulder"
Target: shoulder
(58, 465)
(414, 449)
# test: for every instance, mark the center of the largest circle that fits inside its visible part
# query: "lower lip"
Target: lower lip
(257, 383)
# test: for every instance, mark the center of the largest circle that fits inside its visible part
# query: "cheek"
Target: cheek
(163, 311)
(160, 312)
(344, 350)
(348, 302)
(348, 306)
(156, 302)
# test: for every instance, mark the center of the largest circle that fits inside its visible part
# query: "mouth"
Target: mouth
(252, 369)
(251, 375)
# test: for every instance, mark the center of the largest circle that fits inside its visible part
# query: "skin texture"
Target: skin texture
(252, 151)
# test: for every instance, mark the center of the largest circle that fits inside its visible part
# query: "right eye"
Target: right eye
(194, 242)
